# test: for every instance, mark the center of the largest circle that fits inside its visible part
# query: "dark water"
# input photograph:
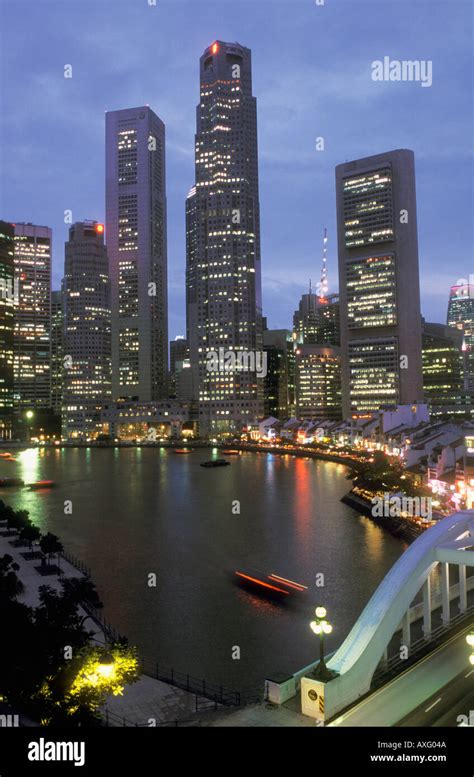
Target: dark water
(137, 512)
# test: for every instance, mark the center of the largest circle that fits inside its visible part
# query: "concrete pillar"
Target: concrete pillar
(462, 588)
(445, 617)
(406, 636)
(427, 608)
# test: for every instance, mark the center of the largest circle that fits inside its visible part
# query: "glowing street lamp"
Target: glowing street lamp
(29, 417)
(470, 642)
(321, 626)
(106, 666)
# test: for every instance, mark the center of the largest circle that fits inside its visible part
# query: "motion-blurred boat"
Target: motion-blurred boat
(273, 586)
(41, 484)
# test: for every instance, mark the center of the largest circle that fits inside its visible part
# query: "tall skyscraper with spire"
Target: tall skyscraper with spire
(136, 247)
(223, 296)
(316, 322)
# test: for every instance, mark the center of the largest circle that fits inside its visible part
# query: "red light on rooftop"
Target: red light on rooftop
(215, 48)
(100, 228)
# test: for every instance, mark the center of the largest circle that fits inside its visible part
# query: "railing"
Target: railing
(112, 719)
(216, 693)
(393, 664)
(111, 634)
(75, 562)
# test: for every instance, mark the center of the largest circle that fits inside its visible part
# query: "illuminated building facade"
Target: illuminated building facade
(7, 302)
(136, 247)
(180, 383)
(223, 240)
(318, 382)
(87, 338)
(461, 316)
(279, 382)
(32, 336)
(443, 371)
(379, 282)
(56, 351)
(317, 320)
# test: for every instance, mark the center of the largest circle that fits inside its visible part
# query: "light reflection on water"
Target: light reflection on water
(140, 511)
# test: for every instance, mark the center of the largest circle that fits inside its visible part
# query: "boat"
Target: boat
(182, 450)
(215, 463)
(273, 586)
(5, 455)
(41, 484)
(6, 482)
(231, 453)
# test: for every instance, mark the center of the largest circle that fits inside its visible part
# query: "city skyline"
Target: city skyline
(306, 173)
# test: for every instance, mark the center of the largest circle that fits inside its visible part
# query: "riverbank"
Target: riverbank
(398, 527)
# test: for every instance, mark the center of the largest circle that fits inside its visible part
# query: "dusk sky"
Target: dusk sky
(311, 77)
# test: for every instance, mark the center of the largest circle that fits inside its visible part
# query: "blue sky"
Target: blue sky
(311, 77)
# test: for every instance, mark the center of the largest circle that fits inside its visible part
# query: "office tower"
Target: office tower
(444, 377)
(7, 303)
(379, 282)
(317, 319)
(56, 351)
(223, 243)
(318, 382)
(180, 382)
(32, 335)
(461, 316)
(279, 382)
(136, 247)
(87, 346)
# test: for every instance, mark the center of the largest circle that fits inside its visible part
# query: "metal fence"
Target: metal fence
(216, 693)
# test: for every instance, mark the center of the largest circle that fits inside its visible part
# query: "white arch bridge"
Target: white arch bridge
(450, 541)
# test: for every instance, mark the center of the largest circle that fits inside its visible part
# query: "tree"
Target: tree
(10, 584)
(29, 534)
(19, 519)
(50, 545)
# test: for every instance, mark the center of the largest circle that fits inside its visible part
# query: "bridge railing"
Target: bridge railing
(387, 667)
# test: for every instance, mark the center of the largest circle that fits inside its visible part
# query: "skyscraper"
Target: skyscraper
(461, 316)
(444, 382)
(87, 349)
(318, 382)
(136, 247)
(379, 282)
(317, 319)
(223, 241)
(279, 382)
(7, 302)
(56, 351)
(32, 336)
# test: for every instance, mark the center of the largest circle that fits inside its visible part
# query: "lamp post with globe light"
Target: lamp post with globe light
(470, 642)
(29, 417)
(321, 626)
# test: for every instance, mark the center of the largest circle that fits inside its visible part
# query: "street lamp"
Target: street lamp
(470, 642)
(321, 626)
(29, 415)
(106, 665)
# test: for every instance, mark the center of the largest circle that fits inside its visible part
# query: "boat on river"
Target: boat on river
(273, 586)
(215, 463)
(41, 484)
(8, 482)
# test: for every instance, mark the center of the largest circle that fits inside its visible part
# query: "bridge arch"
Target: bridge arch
(450, 541)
